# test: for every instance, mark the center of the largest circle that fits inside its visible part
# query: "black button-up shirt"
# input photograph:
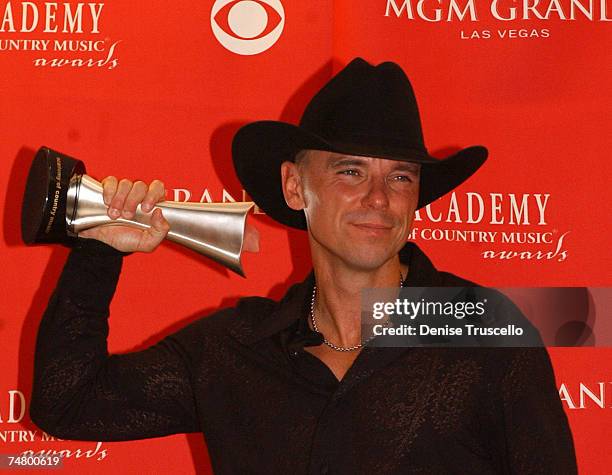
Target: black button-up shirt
(266, 406)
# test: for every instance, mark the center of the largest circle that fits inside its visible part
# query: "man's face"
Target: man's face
(358, 209)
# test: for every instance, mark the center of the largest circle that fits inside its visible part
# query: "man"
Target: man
(287, 387)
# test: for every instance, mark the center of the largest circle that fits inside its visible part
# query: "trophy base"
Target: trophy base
(43, 212)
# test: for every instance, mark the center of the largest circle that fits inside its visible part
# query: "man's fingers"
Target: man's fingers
(133, 199)
(109, 188)
(118, 201)
(156, 233)
(123, 197)
(155, 194)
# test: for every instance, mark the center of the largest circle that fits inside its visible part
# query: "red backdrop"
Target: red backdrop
(158, 92)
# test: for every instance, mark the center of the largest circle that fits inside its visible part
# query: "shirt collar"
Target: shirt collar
(295, 305)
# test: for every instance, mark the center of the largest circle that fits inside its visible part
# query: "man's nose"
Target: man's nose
(377, 194)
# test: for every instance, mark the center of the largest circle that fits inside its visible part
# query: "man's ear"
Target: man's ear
(292, 186)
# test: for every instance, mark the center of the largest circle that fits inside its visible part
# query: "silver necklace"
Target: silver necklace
(314, 321)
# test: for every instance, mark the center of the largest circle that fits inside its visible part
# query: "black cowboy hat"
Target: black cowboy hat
(364, 110)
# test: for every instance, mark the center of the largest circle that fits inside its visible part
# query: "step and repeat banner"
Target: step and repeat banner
(158, 91)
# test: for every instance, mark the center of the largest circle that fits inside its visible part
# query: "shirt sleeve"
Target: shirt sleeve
(81, 392)
(537, 435)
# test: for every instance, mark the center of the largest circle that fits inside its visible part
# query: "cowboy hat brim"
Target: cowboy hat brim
(259, 149)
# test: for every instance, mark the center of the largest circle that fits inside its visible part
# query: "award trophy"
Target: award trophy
(60, 201)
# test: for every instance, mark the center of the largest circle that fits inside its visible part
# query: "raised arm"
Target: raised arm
(82, 392)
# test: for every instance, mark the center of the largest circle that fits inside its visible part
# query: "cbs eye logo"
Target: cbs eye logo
(247, 27)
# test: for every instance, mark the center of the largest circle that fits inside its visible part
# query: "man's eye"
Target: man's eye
(402, 178)
(350, 172)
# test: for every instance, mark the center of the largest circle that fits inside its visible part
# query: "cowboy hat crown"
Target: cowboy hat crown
(364, 110)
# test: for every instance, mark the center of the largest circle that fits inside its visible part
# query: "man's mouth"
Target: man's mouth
(374, 228)
(373, 225)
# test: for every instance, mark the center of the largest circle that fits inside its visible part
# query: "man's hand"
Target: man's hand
(122, 198)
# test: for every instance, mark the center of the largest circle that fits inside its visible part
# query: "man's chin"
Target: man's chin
(361, 251)
(369, 260)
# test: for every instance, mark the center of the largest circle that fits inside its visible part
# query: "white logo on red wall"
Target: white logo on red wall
(57, 35)
(503, 226)
(506, 20)
(585, 396)
(247, 27)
